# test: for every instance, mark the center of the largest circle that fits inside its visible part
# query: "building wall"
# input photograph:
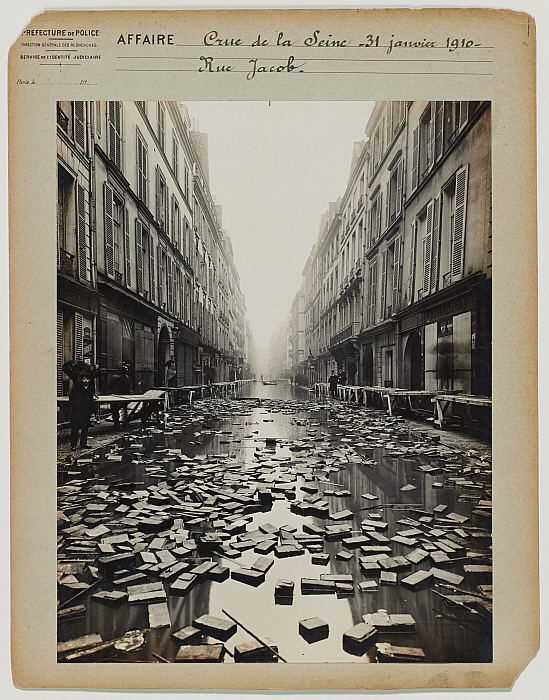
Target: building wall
(169, 294)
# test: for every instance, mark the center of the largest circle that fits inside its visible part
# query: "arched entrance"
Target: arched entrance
(368, 366)
(413, 369)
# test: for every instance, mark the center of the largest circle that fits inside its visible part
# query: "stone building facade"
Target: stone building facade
(398, 283)
(148, 250)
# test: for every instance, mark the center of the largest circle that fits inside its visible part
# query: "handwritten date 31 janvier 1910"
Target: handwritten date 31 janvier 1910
(209, 65)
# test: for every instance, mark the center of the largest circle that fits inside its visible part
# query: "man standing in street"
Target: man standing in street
(332, 383)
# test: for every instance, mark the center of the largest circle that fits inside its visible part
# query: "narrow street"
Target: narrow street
(214, 511)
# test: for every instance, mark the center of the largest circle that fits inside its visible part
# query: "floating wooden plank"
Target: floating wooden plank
(250, 576)
(215, 627)
(416, 578)
(367, 586)
(187, 635)
(159, 615)
(388, 578)
(447, 576)
(390, 624)
(201, 653)
(255, 652)
(359, 639)
(386, 653)
(79, 643)
(284, 588)
(313, 629)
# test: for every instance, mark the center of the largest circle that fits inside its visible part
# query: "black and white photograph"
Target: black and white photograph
(274, 381)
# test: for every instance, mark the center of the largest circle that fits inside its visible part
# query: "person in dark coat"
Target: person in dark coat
(120, 383)
(342, 377)
(81, 400)
(332, 383)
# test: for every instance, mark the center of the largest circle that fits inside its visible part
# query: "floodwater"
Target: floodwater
(444, 634)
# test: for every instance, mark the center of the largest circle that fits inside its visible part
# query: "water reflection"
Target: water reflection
(212, 429)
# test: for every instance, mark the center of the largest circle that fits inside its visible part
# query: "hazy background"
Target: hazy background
(274, 167)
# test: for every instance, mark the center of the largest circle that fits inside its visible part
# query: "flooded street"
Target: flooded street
(337, 499)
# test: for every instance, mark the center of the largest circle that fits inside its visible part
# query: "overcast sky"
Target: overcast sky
(274, 169)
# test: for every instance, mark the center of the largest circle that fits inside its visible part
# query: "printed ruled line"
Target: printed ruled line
(56, 65)
(279, 58)
(316, 72)
(349, 46)
(63, 49)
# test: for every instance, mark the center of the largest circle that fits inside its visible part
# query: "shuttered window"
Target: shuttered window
(127, 248)
(395, 304)
(427, 250)
(412, 269)
(161, 200)
(115, 133)
(161, 126)
(139, 256)
(79, 125)
(142, 169)
(458, 224)
(81, 232)
(372, 283)
(383, 312)
(60, 352)
(109, 229)
(78, 338)
(415, 159)
(435, 244)
(439, 127)
(151, 271)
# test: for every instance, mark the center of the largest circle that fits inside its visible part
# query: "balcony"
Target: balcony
(117, 277)
(66, 264)
(351, 331)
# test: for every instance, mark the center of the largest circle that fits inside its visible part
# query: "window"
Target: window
(175, 156)
(176, 223)
(393, 201)
(117, 237)
(161, 126)
(388, 368)
(456, 115)
(98, 118)
(161, 200)
(375, 218)
(115, 133)
(457, 224)
(187, 190)
(71, 119)
(423, 147)
(142, 168)
(142, 258)
(372, 285)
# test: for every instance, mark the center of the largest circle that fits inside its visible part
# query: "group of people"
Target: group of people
(334, 380)
(82, 397)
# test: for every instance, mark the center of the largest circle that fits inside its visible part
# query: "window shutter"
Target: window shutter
(439, 125)
(398, 208)
(139, 255)
(458, 238)
(411, 273)
(379, 212)
(383, 283)
(427, 250)
(388, 203)
(435, 244)
(81, 231)
(463, 113)
(79, 125)
(152, 292)
(170, 283)
(172, 225)
(160, 280)
(109, 229)
(167, 211)
(157, 194)
(78, 340)
(127, 254)
(389, 125)
(60, 352)
(432, 134)
(118, 128)
(415, 159)
(396, 277)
